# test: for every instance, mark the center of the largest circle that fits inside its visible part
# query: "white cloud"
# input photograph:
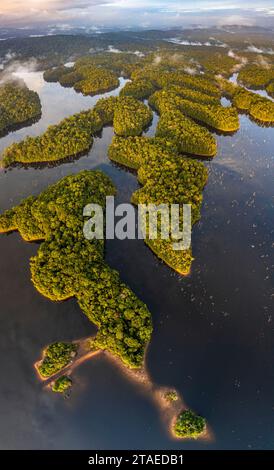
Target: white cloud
(236, 20)
(144, 13)
(186, 42)
(257, 50)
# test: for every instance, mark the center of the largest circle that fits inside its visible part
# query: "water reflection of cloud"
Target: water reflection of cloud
(34, 80)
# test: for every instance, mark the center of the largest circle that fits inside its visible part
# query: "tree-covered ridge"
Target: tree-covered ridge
(18, 105)
(258, 107)
(131, 117)
(84, 76)
(182, 57)
(193, 95)
(132, 151)
(162, 78)
(189, 136)
(150, 45)
(256, 76)
(167, 178)
(68, 265)
(139, 89)
(70, 137)
(214, 61)
(270, 89)
(105, 107)
(74, 135)
(95, 80)
(54, 74)
(173, 125)
(189, 425)
(196, 82)
(224, 119)
(262, 109)
(121, 64)
(214, 115)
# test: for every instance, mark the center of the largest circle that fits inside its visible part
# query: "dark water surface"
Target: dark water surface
(213, 335)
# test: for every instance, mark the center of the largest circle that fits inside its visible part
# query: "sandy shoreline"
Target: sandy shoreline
(170, 409)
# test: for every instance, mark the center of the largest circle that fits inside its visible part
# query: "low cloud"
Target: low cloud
(157, 60)
(241, 60)
(262, 62)
(118, 51)
(190, 70)
(258, 50)
(7, 58)
(13, 67)
(186, 42)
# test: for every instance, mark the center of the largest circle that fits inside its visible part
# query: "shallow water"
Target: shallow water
(213, 331)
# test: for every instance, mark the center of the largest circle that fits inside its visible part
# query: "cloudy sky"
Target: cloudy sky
(135, 13)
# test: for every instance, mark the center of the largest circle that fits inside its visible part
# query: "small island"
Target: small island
(60, 359)
(62, 384)
(19, 106)
(83, 77)
(188, 425)
(171, 396)
(56, 356)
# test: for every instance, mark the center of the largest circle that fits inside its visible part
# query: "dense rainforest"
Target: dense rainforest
(189, 136)
(56, 356)
(67, 264)
(213, 114)
(83, 77)
(255, 76)
(258, 107)
(189, 425)
(62, 384)
(167, 178)
(18, 105)
(182, 85)
(74, 135)
(185, 102)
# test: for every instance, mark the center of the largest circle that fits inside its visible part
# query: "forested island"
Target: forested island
(68, 265)
(62, 384)
(19, 106)
(56, 357)
(83, 77)
(74, 135)
(260, 108)
(189, 425)
(256, 76)
(167, 178)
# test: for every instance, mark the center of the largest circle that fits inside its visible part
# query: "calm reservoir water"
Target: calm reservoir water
(213, 336)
